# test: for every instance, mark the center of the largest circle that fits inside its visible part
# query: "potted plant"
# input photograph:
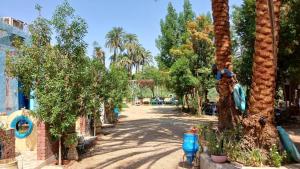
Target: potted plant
(215, 144)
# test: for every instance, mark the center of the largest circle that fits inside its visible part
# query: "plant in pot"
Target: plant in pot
(215, 145)
(71, 142)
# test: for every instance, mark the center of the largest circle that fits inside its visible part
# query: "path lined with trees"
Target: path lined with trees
(145, 137)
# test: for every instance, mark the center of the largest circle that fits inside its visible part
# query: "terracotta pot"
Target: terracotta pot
(219, 158)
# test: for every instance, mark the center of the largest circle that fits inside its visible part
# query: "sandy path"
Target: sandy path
(147, 137)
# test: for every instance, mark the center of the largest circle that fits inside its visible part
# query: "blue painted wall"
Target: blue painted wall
(11, 98)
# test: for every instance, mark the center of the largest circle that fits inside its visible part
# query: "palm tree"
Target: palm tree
(138, 56)
(99, 53)
(114, 41)
(228, 115)
(146, 58)
(259, 128)
(130, 43)
(125, 62)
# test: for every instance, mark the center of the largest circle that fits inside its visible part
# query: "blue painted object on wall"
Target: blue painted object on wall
(190, 146)
(23, 100)
(116, 112)
(21, 119)
(32, 104)
(11, 99)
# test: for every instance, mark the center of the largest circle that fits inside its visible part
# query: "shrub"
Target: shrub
(276, 158)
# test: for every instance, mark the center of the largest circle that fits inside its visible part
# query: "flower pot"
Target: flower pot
(219, 158)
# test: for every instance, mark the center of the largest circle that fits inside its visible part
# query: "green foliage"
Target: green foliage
(181, 77)
(289, 42)
(117, 86)
(65, 82)
(114, 41)
(184, 36)
(169, 37)
(184, 17)
(151, 72)
(71, 140)
(276, 159)
(53, 72)
(215, 142)
(127, 51)
(244, 31)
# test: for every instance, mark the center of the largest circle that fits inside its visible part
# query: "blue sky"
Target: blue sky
(141, 17)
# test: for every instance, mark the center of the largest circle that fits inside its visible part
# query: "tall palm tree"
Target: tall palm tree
(146, 58)
(114, 41)
(138, 57)
(130, 43)
(259, 127)
(228, 115)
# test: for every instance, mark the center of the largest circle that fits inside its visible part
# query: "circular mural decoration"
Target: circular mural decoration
(23, 126)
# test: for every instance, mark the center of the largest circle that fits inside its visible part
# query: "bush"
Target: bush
(276, 159)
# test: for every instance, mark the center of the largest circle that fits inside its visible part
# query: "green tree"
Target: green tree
(169, 37)
(152, 73)
(201, 37)
(56, 74)
(244, 29)
(131, 43)
(289, 43)
(116, 85)
(115, 42)
(185, 16)
(182, 80)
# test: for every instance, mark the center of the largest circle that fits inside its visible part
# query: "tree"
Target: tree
(185, 16)
(151, 73)
(131, 43)
(289, 45)
(201, 37)
(228, 115)
(259, 128)
(288, 62)
(182, 80)
(169, 37)
(244, 27)
(117, 85)
(143, 57)
(56, 73)
(99, 53)
(114, 41)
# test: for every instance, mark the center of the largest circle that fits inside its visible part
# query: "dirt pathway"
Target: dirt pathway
(147, 137)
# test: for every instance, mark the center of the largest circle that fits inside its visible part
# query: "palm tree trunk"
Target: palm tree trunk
(259, 127)
(228, 115)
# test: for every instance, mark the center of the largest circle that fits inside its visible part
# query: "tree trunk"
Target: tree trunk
(187, 101)
(199, 104)
(259, 126)
(228, 115)
(59, 150)
(95, 124)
